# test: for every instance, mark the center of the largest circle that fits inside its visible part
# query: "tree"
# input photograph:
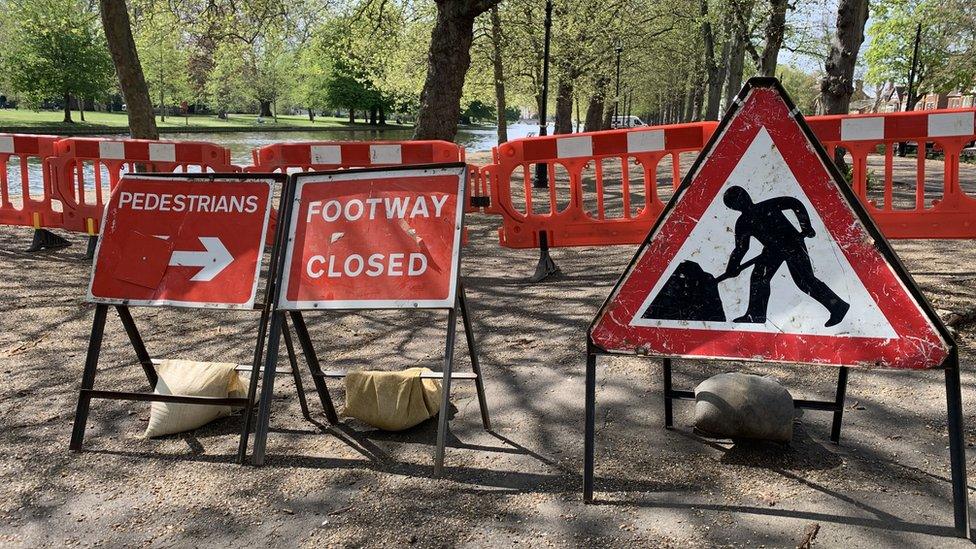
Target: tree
(229, 87)
(56, 52)
(447, 64)
(893, 32)
(838, 82)
(118, 32)
(163, 56)
(804, 88)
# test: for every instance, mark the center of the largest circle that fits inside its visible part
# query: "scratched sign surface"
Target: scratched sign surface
(374, 239)
(763, 254)
(192, 242)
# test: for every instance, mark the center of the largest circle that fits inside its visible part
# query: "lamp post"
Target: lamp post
(541, 169)
(616, 94)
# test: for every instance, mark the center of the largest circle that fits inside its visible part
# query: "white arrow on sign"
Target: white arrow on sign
(213, 261)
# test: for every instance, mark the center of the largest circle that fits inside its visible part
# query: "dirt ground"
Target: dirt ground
(885, 485)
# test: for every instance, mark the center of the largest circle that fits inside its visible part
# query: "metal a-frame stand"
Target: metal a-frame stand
(88, 391)
(278, 328)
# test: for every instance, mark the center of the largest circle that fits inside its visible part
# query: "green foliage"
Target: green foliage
(54, 48)
(477, 111)
(804, 88)
(943, 39)
(160, 43)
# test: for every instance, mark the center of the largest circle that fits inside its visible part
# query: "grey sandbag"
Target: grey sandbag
(744, 406)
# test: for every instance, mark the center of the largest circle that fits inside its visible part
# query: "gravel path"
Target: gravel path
(886, 484)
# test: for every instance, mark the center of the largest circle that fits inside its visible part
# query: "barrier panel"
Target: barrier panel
(577, 209)
(20, 155)
(933, 208)
(338, 155)
(85, 170)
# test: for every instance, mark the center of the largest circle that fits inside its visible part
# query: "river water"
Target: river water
(242, 143)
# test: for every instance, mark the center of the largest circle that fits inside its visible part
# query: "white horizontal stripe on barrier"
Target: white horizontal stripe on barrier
(162, 152)
(6, 144)
(326, 154)
(385, 154)
(646, 141)
(111, 149)
(571, 147)
(862, 129)
(951, 123)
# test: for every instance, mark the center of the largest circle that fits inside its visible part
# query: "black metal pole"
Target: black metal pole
(913, 69)
(88, 378)
(957, 447)
(908, 94)
(616, 93)
(668, 403)
(541, 169)
(589, 442)
(839, 405)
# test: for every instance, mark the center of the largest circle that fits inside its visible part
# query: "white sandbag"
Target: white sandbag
(192, 378)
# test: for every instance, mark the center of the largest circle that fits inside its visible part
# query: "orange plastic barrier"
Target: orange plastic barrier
(337, 155)
(334, 155)
(19, 204)
(105, 160)
(574, 209)
(926, 207)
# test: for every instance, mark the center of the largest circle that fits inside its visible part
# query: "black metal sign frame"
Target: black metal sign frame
(88, 391)
(278, 327)
(960, 494)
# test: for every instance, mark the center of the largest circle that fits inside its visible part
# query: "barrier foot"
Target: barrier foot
(92, 242)
(546, 266)
(46, 240)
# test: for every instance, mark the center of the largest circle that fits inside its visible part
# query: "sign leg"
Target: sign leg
(137, 343)
(839, 405)
(957, 448)
(445, 392)
(479, 382)
(318, 378)
(589, 442)
(267, 390)
(668, 402)
(296, 375)
(88, 378)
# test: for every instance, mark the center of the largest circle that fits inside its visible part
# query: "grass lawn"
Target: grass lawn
(52, 121)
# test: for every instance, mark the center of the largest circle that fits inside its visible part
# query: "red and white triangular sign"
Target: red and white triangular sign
(765, 254)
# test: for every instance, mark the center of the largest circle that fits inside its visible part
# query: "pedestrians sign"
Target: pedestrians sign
(765, 254)
(372, 239)
(182, 241)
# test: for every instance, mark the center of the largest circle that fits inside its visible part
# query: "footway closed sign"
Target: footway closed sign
(374, 239)
(192, 242)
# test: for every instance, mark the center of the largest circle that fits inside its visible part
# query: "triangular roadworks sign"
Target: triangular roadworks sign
(765, 254)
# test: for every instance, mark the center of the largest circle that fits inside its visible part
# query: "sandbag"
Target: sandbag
(392, 401)
(744, 406)
(192, 378)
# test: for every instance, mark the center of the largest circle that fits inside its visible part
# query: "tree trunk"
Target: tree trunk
(81, 108)
(838, 82)
(265, 109)
(737, 52)
(382, 112)
(118, 33)
(564, 107)
(352, 116)
(715, 78)
(774, 37)
(594, 112)
(607, 117)
(448, 61)
(311, 115)
(499, 69)
(67, 109)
